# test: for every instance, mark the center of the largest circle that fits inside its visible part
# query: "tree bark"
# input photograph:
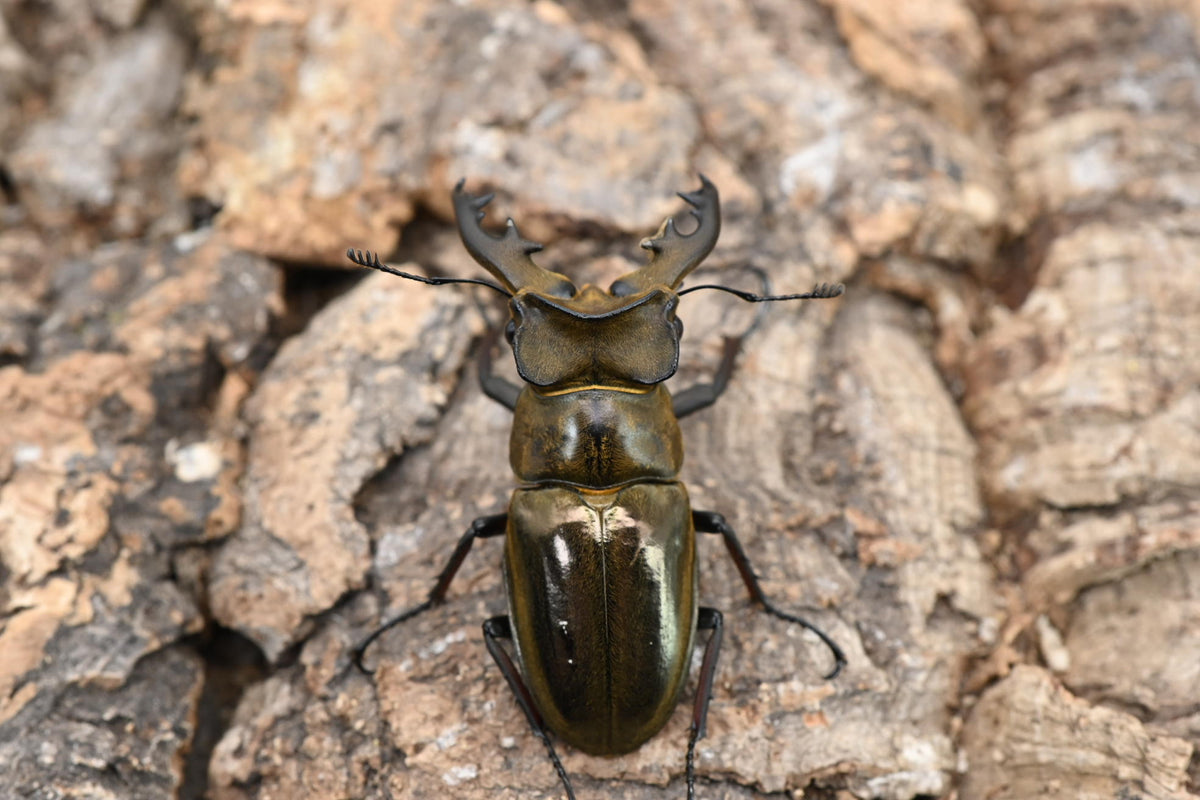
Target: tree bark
(224, 458)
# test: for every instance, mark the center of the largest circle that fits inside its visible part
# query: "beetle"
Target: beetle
(600, 561)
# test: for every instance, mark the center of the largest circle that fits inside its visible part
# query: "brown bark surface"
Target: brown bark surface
(223, 462)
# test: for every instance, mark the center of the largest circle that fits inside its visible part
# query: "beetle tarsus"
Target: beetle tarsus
(558, 767)
(481, 528)
(360, 651)
(712, 522)
(495, 629)
(693, 737)
(839, 657)
(706, 619)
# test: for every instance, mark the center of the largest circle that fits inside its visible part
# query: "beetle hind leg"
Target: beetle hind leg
(494, 630)
(706, 619)
(712, 522)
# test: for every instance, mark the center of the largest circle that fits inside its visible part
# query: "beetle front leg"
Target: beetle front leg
(500, 389)
(494, 630)
(712, 522)
(482, 528)
(703, 395)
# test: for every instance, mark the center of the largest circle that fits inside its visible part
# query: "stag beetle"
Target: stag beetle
(599, 538)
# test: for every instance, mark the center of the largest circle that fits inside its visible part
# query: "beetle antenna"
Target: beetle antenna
(365, 258)
(821, 291)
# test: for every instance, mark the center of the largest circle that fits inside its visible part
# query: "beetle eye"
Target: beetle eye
(510, 330)
(678, 328)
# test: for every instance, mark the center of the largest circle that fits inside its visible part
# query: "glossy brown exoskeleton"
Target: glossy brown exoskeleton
(600, 545)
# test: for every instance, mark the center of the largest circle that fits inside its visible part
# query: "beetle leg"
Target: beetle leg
(703, 395)
(706, 619)
(712, 522)
(482, 528)
(500, 389)
(494, 630)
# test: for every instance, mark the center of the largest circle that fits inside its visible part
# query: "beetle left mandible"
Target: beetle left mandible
(600, 547)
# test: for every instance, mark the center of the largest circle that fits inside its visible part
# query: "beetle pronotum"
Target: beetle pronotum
(600, 546)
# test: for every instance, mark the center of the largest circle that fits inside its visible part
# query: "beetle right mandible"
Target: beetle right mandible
(600, 545)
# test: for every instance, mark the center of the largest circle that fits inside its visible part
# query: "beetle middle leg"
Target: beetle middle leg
(482, 528)
(712, 522)
(494, 630)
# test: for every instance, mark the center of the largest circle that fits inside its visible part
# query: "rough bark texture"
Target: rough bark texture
(222, 463)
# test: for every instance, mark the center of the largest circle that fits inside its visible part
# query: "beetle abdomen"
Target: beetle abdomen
(602, 595)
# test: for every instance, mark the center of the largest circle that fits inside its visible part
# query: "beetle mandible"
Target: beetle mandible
(599, 538)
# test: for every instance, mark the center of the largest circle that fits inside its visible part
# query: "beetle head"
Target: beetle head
(563, 336)
(595, 338)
